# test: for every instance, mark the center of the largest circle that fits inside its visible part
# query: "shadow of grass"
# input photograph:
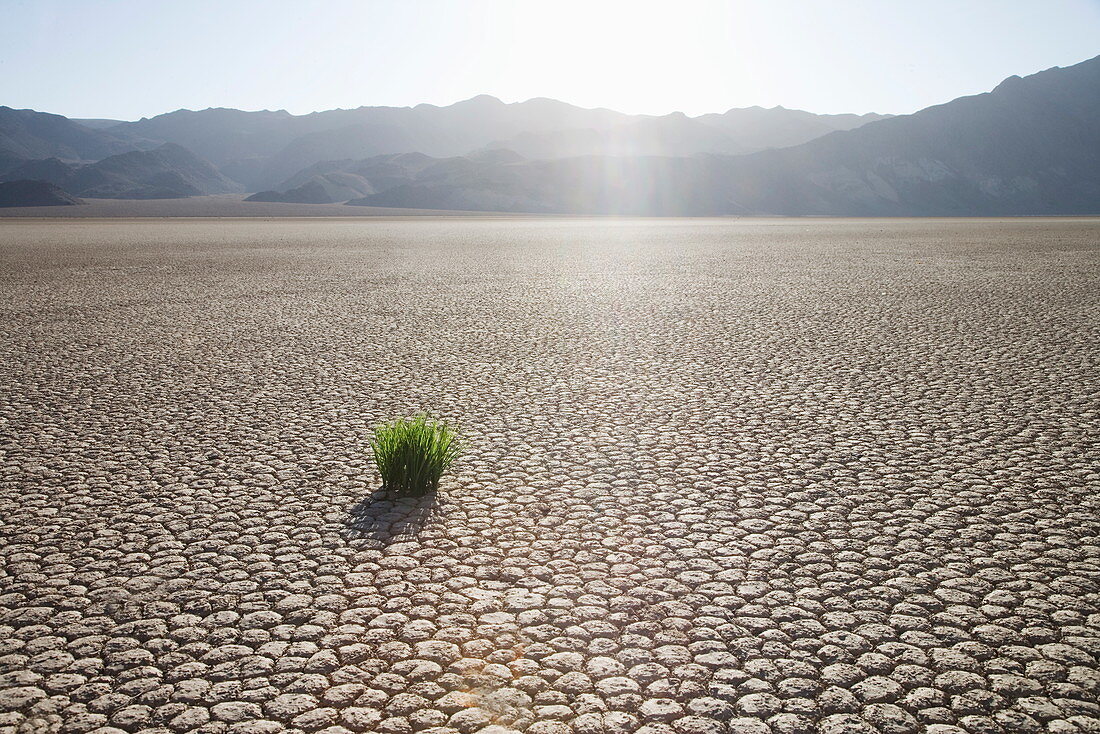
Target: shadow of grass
(386, 519)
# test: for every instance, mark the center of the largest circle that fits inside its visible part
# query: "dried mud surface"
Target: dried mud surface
(767, 476)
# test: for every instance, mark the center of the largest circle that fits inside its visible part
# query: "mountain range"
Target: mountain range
(168, 171)
(261, 149)
(1029, 146)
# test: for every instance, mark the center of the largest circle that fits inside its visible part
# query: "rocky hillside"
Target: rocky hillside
(169, 171)
(34, 193)
(27, 135)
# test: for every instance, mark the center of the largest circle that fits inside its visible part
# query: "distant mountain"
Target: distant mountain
(34, 193)
(366, 176)
(9, 161)
(262, 149)
(338, 185)
(736, 131)
(311, 192)
(344, 180)
(43, 169)
(237, 142)
(26, 134)
(1031, 146)
(353, 141)
(758, 128)
(584, 185)
(669, 135)
(167, 172)
(96, 123)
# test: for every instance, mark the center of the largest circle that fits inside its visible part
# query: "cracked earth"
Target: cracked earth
(758, 476)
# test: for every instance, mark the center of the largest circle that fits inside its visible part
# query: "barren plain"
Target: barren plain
(722, 476)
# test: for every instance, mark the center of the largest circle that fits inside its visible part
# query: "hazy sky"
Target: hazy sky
(132, 58)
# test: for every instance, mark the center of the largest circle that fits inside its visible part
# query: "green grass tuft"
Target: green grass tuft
(412, 454)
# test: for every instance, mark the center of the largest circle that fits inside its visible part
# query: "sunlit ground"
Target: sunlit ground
(722, 476)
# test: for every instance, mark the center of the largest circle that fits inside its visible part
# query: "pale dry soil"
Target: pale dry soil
(722, 476)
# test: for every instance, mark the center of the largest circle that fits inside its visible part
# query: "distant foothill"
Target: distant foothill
(34, 193)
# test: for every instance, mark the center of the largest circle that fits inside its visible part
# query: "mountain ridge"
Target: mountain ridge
(169, 171)
(1031, 145)
(260, 149)
(29, 134)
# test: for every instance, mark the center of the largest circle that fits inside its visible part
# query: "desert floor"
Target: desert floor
(743, 476)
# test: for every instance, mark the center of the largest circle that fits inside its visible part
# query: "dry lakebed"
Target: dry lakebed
(742, 476)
